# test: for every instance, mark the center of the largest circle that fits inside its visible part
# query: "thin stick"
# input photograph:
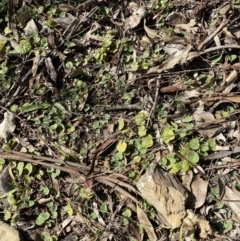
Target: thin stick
(211, 36)
(151, 114)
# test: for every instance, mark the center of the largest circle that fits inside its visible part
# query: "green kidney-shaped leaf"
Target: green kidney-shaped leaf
(33, 107)
(121, 146)
(185, 166)
(20, 167)
(194, 144)
(42, 218)
(140, 118)
(25, 47)
(147, 141)
(127, 213)
(120, 124)
(193, 157)
(142, 131)
(176, 167)
(167, 135)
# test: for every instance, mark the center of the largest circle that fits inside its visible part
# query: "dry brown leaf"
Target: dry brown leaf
(171, 62)
(6, 184)
(141, 12)
(217, 40)
(199, 189)
(169, 89)
(231, 198)
(8, 125)
(35, 65)
(173, 49)
(153, 34)
(30, 27)
(65, 7)
(66, 21)
(145, 41)
(134, 231)
(232, 76)
(235, 98)
(145, 223)
(50, 69)
(176, 18)
(188, 27)
(133, 21)
(204, 117)
(190, 94)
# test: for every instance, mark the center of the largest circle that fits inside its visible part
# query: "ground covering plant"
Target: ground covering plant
(100, 90)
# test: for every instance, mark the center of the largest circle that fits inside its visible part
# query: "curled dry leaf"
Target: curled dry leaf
(169, 89)
(199, 190)
(232, 76)
(153, 34)
(8, 125)
(50, 69)
(65, 7)
(133, 21)
(202, 118)
(235, 98)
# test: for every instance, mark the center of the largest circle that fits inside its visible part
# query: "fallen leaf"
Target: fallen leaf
(199, 188)
(134, 231)
(64, 22)
(171, 62)
(153, 34)
(176, 18)
(133, 21)
(173, 49)
(145, 223)
(231, 198)
(50, 69)
(170, 89)
(223, 153)
(66, 7)
(190, 94)
(8, 125)
(201, 119)
(30, 27)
